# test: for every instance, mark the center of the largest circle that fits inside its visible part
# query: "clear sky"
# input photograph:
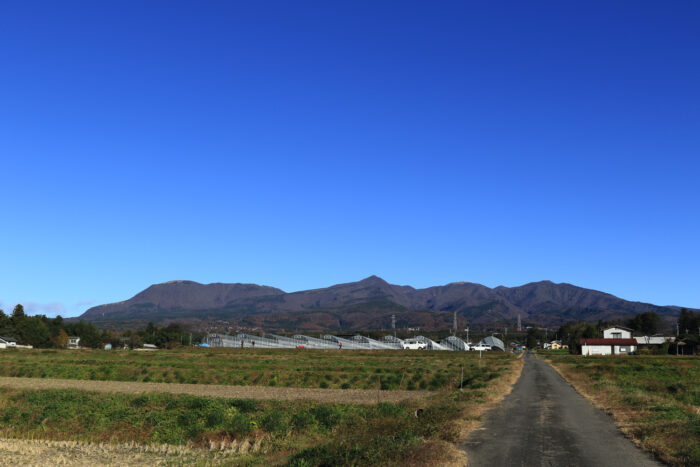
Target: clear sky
(302, 144)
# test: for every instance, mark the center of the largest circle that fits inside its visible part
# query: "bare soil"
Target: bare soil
(345, 396)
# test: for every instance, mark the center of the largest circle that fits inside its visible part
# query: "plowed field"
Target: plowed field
(350, 396)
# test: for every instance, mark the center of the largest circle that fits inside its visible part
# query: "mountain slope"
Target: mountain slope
(369, 304)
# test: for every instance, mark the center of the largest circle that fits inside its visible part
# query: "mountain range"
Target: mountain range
(367, 304)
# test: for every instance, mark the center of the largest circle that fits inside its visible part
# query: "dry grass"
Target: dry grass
(471, 419)
(349, 396)
(672, 436)
(74, 453)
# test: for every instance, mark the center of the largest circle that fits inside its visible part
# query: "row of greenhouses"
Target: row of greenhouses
(349, 342)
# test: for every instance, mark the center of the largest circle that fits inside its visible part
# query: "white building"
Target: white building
(6, 342)
(654, 340)
(597, 346)
(617, 332)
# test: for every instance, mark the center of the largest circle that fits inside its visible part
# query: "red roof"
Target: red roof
(599, 341)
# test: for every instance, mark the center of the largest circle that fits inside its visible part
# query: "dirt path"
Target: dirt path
(349, 396)
(545, 422)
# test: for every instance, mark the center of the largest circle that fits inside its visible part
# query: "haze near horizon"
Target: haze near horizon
(309, 144)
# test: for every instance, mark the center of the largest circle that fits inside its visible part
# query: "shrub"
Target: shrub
(240, 425)
(303, 419)
(245, 405)
(326, 415)
(274, 421)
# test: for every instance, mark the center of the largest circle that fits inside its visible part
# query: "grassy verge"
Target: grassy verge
(654, 399)
(272, 432)
(388, 370)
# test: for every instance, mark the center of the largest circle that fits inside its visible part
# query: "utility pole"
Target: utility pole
(467, 334)
(393, 324)
(520, 327)
(454, 323)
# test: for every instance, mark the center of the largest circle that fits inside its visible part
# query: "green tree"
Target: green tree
(533, 336)
(647, 323)
(5, 323)
(573, 332)
(689, 322)
(88, 333)
(61, 340)
(33, 331)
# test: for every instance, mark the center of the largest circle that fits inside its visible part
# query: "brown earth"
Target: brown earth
(345, 396)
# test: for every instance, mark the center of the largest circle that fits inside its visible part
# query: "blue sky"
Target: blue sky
(302, 144)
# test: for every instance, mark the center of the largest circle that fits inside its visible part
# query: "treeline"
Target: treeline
(43, 332)
(172, 335)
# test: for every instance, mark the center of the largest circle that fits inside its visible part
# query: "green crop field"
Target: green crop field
(244, 431)
(288, 368)
(655, 398)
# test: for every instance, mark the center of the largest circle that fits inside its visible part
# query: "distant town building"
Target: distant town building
(617, 332)
(557, 345)
(6, 342)
(653, 340)
(597, 346)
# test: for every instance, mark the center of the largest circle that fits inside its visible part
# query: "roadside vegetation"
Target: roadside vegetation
(244, 431)
(386, 370)
(654, 399)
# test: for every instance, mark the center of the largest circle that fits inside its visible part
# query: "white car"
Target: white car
(412, 344)
(480, 347)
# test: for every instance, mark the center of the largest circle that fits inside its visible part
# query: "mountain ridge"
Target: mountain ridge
(369, 303)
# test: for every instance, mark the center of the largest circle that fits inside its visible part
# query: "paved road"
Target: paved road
(545, 422)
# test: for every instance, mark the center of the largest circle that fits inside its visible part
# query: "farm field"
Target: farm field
(351, 396)
(388, 369)
(654, 399)
(155, 427)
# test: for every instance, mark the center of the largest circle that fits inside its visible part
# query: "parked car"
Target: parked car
(481, 347)
(413, 344)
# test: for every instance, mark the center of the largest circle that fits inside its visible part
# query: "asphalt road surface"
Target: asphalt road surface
(545, 422)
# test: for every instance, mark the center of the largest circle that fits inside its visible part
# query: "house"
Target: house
(8, 342)
(617, 332)
(557, 345)
(73, 342)
(607, 346)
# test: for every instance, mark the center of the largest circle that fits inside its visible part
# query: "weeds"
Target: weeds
(654, 398)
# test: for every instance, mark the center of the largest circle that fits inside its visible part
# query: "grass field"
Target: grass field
(387, 370)
(655, 399)
(245, 431)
